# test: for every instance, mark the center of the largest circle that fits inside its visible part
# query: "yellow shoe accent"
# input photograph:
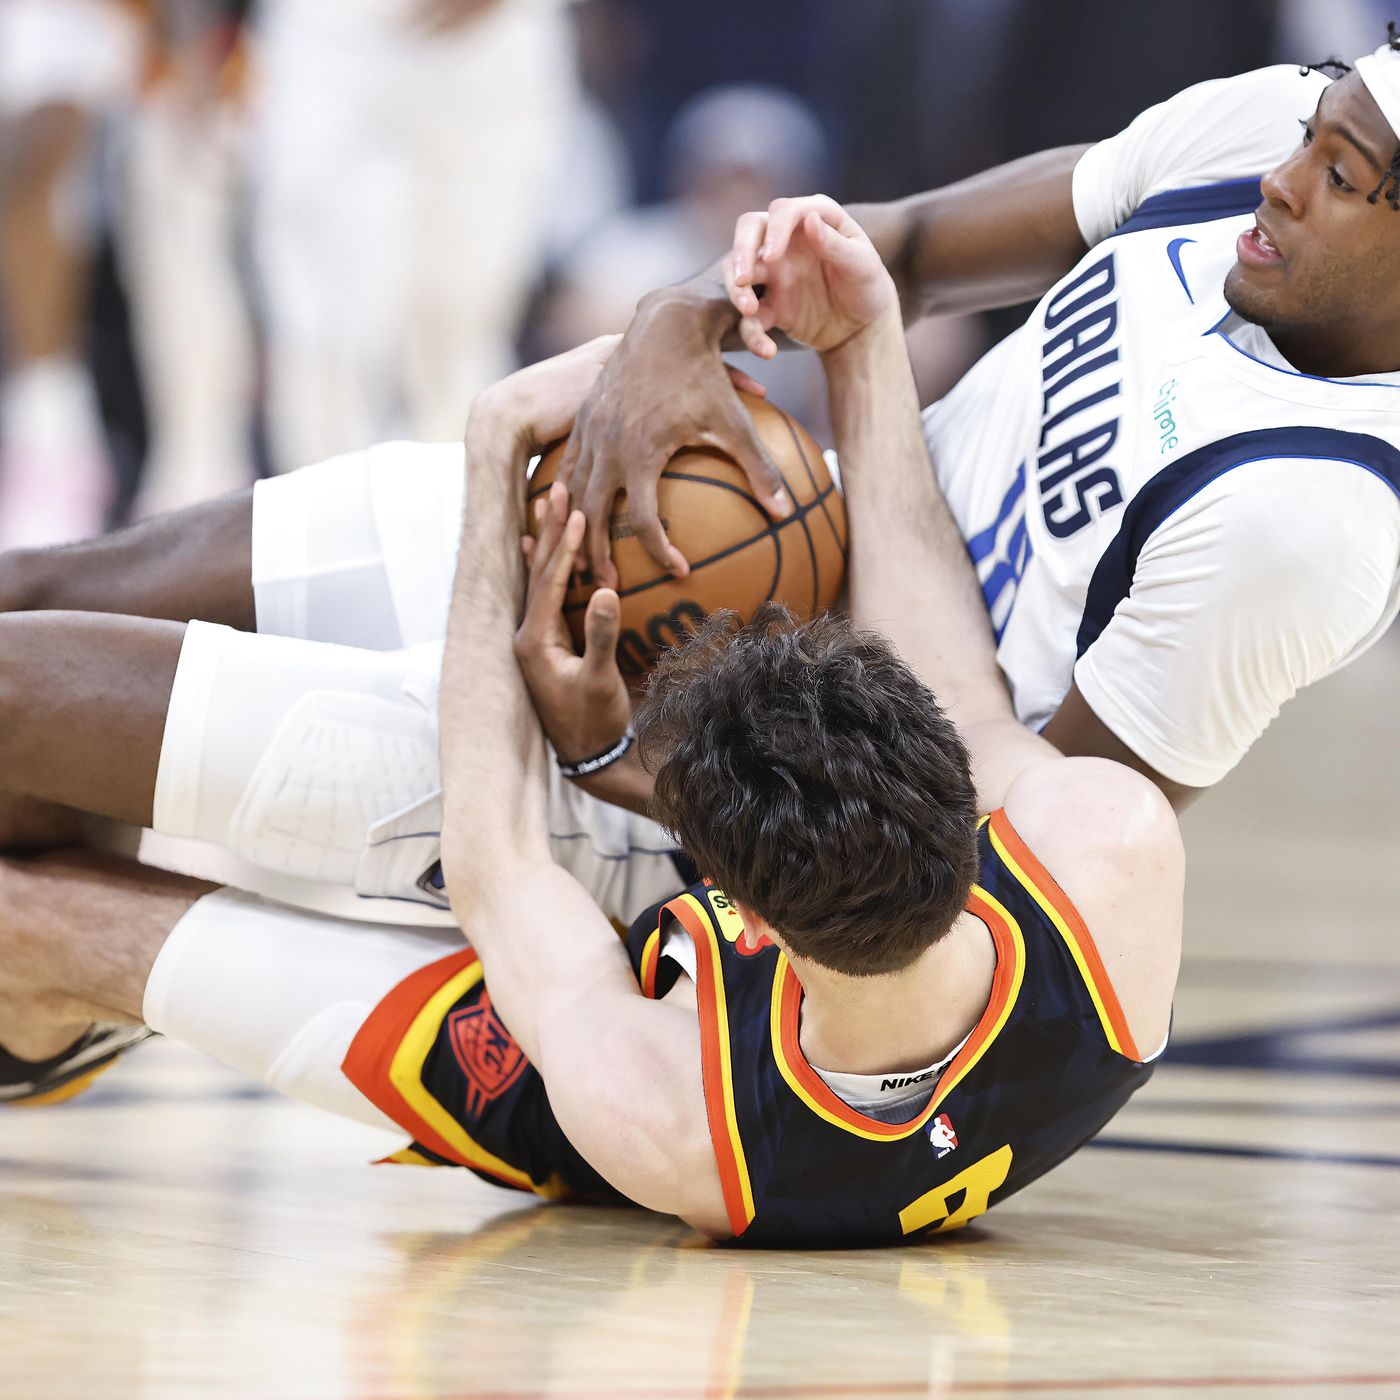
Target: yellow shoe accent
(71, 1090)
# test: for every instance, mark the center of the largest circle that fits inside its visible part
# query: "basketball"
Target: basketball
(739, 557)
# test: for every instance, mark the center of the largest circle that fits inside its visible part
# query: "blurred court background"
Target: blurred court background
(238, 237)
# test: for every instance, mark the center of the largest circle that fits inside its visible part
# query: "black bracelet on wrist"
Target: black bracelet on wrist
(587, 766)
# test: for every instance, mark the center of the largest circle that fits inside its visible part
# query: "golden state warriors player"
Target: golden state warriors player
(876, 1016)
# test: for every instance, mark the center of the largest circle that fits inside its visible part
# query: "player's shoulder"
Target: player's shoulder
(1278, 84)
(1220, 130)
(1308, 512)
(1084, 808)
(1241, 120)
(1105, 833)
(1109, 838)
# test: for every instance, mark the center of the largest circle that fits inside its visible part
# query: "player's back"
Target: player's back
(1048, 1063)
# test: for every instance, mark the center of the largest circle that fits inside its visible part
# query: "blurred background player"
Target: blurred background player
(187, 211)
(64, 65)
(127, 345)
(403, 152)
(181, 176)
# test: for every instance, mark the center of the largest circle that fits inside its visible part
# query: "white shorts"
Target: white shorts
(309, 750)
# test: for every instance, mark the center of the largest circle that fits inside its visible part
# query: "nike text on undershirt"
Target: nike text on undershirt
(859, 1091)
(905, 1080)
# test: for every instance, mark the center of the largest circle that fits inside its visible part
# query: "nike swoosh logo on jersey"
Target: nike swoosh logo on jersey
(1174, 257)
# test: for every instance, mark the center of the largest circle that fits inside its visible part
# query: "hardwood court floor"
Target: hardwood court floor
(1235, 1232)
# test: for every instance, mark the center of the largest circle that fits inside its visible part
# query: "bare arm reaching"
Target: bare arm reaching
(1104, 831)
(623, 1072)
(909, 573)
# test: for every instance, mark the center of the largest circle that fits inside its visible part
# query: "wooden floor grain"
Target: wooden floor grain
(1235, 1232)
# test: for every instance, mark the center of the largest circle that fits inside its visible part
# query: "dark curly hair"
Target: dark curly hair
(1389, 187)
(810, 773)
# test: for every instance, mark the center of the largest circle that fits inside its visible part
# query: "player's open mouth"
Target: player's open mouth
(1254, 249)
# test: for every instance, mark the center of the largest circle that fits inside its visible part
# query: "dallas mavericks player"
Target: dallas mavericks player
(1178, 479)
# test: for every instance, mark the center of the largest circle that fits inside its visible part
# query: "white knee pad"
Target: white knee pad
(338, 763)
(280, 994)
(287, 752)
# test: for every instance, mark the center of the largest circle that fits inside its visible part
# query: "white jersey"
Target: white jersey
(1161, 509)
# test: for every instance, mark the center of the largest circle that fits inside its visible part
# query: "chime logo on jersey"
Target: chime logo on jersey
(941, 1136)
(482, 1046)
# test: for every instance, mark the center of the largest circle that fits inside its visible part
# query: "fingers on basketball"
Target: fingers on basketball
(740, 557)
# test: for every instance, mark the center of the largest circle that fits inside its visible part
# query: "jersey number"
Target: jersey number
(976, 1182)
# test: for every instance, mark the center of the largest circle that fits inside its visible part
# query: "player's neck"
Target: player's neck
(1337, 356)
(904, 1021)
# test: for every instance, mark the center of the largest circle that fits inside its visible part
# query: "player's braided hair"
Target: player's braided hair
(810, 773)
(1389, 186)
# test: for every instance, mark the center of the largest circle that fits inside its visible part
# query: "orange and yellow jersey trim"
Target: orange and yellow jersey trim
(385, 1063)
(1022, 864)
(716, 1060)
(1035, 1078)
(803, 1080)
(650, 960)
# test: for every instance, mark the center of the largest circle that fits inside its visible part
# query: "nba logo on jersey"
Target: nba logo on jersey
(941, 1136)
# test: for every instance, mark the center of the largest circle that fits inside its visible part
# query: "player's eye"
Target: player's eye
(1307, 132)
(1336, 179)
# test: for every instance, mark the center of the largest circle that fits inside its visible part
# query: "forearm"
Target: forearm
(909, 572)
(492, 749)
(995, 239)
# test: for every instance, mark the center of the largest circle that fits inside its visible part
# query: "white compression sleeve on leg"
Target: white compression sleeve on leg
(280, 994)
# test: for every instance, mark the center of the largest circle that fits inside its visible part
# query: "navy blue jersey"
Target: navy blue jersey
(1047, 1065)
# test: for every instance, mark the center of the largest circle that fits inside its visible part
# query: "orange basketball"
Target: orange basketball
(739, 557)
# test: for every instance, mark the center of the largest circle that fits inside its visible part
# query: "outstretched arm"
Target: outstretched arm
(992, 240)
(910, 573)
(1105, 833)
(623, 1072)
(910, 576)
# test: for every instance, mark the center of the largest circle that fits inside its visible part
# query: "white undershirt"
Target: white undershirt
(894, 1097)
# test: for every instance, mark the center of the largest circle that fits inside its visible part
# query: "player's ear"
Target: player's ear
(757, 931)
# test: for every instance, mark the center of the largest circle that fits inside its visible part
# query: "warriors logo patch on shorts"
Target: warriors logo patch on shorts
(436, 1058)
(489, 1058)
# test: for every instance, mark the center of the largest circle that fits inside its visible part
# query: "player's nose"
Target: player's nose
(1283, 185)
